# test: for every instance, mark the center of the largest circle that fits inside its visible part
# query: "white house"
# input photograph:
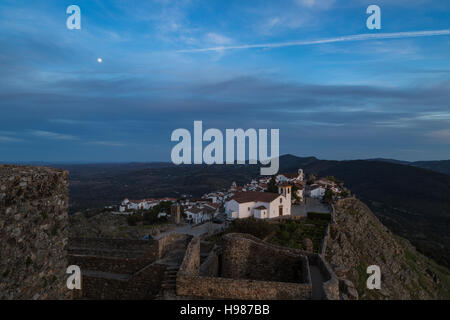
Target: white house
(291, 177)
(197, 215)
(261, 205)
(317, 191)
(300, 192)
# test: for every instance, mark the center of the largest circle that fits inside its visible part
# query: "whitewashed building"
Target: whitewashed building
(317, 191)
(261, 205)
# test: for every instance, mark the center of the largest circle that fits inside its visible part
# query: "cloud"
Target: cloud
(357, 37)
(52, 135)
(217, 38)
(315, 4)
(440, 135)
(108, 143)
(9, 139)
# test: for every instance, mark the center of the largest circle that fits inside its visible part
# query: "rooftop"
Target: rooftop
(250, 196)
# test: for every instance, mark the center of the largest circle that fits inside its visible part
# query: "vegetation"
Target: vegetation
(294, 193)
(319, 215)
(328, 196)
(289, 233)
(272, 186)
(256, 227)
(292, 233)
(150, 217)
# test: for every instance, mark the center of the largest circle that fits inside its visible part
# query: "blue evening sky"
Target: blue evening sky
(334, 100)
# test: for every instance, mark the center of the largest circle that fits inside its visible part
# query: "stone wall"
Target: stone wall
(247, 258)
(210, 267)
(331, 286)
(122, 268)
(33, 233)
(144, 284)
(193, 283)
(168, 242)
(113, 247)
(223, 288)
(108, 264)
(191, 261)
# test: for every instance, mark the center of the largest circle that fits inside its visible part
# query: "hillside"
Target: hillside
(442, 166)
(358, 240)
(413, 202)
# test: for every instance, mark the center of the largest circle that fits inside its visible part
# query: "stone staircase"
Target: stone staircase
(170, 280)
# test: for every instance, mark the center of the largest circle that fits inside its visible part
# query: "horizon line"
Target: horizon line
(357, 37)
(86, 162)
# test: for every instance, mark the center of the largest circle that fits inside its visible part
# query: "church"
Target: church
(261, 205)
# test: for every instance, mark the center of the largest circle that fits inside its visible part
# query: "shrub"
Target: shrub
(319, 216)
(255, 227)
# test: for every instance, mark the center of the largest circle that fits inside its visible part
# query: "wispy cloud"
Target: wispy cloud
(315, 4)
(217, 38)
(52, 135)
(108, 143)
(357, 37)
(9, 139)
(440, 135)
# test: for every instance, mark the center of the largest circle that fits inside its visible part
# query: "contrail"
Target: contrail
(357, 37)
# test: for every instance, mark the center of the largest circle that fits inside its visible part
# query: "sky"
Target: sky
(310, 68)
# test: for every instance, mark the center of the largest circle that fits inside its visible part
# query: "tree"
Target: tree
(311, 179)
(328, 196)
(294, 194)
(272, 186)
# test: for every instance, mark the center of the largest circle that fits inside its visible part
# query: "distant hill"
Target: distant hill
(442, 166)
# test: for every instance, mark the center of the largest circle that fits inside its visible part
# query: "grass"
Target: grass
(289, 233)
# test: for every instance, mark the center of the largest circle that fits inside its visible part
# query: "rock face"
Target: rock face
(358, 240)
(33, 233)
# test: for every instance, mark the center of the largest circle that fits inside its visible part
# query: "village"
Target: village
(285, 195)
(272, 229)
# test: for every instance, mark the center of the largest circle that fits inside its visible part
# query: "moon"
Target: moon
(99, 60)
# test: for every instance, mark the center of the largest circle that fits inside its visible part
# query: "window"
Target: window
(289, 190)
(281, 200)
(248, 208)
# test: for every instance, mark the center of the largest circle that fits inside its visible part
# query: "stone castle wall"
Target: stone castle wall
(145, 284)
(33, 232)
(242, 254)
(122, 268)
(195, 280)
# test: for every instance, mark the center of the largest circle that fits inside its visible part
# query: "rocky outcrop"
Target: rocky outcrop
(357, 240)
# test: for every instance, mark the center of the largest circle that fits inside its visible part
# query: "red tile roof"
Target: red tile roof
(243, 197)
